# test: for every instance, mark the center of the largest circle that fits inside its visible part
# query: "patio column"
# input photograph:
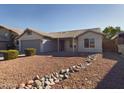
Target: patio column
(19, 45)
(73, 44)
(58, 44)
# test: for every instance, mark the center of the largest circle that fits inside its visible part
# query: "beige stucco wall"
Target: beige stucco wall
(67, 45)
(30, 37)
(49, 45)
(98, 42)
(121, 48)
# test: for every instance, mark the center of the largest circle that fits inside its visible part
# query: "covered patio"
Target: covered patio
(66, 44)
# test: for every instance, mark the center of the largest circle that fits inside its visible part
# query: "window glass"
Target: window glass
(89, 43)
(17, 42)
(86, 43)
(92, 43)
(70, 43)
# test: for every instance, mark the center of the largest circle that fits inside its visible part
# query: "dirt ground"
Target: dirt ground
(105, 72)
(14, 72)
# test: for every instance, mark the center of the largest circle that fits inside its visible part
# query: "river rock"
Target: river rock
(47, 76)
(26, 87)
(40, 87)
(36, 77)
(62, 71)
(42, 79)
(88, 60)
(76, 70)
(56, 74)
(67, 70)
(51, 81)
(88, 64)
(61, 76)
(47, 82)
(66, 76)
(29, 86)
(47, 87)
(22, 85)
(73, 66)
(37, 83)
(71, 70)
(56, 81)
(30, 82)
(78, 67)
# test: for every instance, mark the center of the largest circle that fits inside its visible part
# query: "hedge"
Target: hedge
(30, 51)
(10, 54)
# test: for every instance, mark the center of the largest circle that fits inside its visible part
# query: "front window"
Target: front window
(17, 42)
(70, 43)
(89, 43)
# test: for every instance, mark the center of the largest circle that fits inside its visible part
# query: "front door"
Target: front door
(62, 45)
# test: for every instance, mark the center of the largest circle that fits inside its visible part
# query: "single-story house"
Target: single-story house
(83, 40)
(119, 40)
(7, 37)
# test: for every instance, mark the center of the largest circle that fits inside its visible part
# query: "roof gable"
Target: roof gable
(17, 31)
(74, 33)
(65, 34)
(36, 32)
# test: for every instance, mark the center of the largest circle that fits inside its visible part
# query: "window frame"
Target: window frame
(85, 43)
(70, 43)
(89, 43)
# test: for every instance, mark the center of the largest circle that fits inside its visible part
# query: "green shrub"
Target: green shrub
(3, 51)
(10, 54)
(30, 51)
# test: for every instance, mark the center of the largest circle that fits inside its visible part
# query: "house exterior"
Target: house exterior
(83, 40)
(119, 40)
(7, 37)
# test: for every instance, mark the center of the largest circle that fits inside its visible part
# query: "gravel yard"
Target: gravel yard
(105, 72)
(14, 72)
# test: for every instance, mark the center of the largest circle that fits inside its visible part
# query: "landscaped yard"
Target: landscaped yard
(13, 72)
(105, 72)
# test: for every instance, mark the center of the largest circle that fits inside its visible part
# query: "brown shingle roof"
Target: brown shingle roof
(15, 30)
(73, 33)
(65, 34)
(39, 32)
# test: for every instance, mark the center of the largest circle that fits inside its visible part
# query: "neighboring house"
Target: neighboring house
(7, 37)
(83, 40)
(119, 39)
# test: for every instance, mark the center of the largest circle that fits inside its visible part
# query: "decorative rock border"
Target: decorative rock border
(47, 81)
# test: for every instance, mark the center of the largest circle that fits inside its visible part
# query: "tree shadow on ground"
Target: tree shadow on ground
(115, 77)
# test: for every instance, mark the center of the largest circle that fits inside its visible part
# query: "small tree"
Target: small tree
(111, 31)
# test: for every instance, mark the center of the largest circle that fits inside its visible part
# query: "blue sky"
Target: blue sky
(61, 17)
